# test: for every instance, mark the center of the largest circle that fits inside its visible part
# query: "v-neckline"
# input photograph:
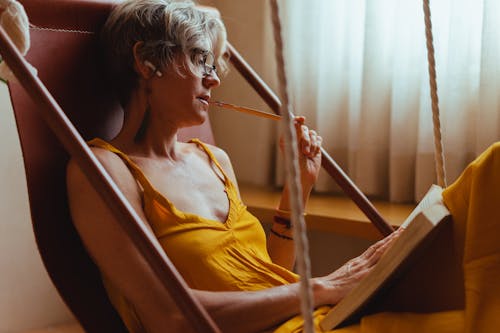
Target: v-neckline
(149, 187)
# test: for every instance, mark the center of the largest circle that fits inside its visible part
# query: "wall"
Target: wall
(27, 297)
(250, 141)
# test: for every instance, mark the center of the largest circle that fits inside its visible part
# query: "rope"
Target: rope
(292, 172)
(34, 27)
(438, 143)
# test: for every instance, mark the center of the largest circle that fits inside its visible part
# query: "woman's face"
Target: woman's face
(181, 98)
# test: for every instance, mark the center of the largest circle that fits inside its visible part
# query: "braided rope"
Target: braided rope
(34, 27)
(292, 172)
(438, 142)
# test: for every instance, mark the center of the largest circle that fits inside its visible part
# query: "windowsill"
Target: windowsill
(336, 214)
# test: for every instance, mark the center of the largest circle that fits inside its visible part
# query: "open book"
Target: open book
(428, 214)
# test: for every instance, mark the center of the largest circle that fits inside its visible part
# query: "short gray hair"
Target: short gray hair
(165, 28)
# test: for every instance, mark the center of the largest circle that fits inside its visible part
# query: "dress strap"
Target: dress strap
(132, 166)
(212, 158)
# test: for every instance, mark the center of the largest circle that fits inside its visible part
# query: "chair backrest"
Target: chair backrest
(65, 51)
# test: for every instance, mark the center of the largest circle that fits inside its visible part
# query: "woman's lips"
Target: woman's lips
(204, 99)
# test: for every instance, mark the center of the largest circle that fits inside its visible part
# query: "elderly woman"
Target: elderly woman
(165, 59)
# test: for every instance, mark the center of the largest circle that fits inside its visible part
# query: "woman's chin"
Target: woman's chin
(199, 119)
(202, 117)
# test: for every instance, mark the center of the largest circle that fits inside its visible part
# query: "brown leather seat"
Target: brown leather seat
(65, 51)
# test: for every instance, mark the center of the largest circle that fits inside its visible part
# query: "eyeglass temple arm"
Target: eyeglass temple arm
(327, 162)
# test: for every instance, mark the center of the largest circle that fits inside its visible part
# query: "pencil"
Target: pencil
(246, 110)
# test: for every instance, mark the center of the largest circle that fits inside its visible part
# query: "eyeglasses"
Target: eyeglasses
(206, 60)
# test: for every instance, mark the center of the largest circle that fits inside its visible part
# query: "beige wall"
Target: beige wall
(247, 139)
(27, 298)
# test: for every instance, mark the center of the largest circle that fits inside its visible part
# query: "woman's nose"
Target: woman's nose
(211, 80)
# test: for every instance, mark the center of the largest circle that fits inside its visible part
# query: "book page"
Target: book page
(433, 196)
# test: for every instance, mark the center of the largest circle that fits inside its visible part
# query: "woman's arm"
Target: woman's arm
(113, 251)
(280, 243)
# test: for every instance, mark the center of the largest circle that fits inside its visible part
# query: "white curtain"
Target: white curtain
(358, 71)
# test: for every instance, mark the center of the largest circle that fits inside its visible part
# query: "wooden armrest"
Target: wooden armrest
(329, 213)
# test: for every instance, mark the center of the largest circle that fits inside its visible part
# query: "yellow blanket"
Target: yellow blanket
(467, 286)
(474, 202)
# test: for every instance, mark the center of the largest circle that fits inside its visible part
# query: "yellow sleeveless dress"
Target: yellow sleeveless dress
(210, 255)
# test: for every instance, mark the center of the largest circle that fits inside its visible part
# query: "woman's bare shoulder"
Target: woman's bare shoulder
(112, 164)
(85, 200)
(110, 161)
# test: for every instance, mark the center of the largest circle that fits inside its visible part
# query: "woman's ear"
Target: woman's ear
(143, 67)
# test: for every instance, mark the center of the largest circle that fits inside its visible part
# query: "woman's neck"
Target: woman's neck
(144, 137)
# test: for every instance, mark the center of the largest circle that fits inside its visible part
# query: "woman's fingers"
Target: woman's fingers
(299, 120)
(305, 140)
(350, 274)
(316, 142)
(377, 254)
(374, 252)
(308, 140)
(372, 255)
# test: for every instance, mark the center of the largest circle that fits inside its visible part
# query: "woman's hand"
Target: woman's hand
(332, 288)
(281, 250)
(309, 148)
